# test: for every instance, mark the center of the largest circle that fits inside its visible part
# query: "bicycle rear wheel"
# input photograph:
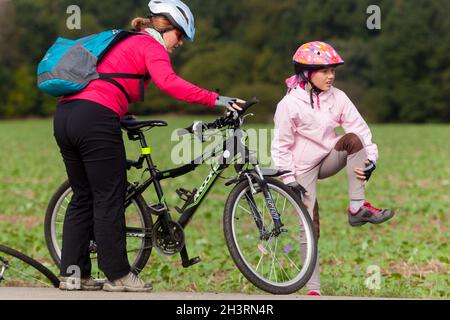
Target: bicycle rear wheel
(19, 270)
(279, 264)
(138, 228)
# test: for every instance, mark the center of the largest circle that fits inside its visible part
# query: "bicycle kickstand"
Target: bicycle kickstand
(186, 262)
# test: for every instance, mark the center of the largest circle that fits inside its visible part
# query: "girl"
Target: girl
(305, 141)
(87, 131)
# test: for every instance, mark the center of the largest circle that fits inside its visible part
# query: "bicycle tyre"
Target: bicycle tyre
(33, 263)
(141, 259)
(239, 260)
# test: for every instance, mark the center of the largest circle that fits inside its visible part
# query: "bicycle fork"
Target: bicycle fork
(276, 218)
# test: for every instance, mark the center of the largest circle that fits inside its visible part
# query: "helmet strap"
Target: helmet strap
(313, 89)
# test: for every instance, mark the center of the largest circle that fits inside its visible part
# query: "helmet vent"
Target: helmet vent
(184, 14)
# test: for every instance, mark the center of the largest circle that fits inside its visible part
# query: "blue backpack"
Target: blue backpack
(70, 65)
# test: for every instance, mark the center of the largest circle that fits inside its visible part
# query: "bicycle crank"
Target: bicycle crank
(166, 243)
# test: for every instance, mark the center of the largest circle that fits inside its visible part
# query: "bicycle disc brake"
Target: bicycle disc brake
(164, 242)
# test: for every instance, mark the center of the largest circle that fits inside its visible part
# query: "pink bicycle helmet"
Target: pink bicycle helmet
(317, 54)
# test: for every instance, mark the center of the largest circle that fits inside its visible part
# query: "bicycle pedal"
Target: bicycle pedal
(157, 209)
(191, 262)
(184, 194)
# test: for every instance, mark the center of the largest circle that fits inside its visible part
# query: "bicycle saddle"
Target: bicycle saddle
(135, 125)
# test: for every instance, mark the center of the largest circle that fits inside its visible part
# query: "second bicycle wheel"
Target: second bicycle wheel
(20, 270)
(138, 228)
(279, 264)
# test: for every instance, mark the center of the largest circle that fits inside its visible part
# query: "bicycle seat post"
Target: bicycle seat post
(146, 153)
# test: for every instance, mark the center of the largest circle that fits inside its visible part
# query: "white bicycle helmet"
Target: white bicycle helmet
(179, 15)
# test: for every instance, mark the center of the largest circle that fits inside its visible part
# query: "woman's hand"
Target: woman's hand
(230, 103)
(364, 174)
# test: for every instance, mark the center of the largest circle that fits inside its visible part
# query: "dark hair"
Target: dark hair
(299, 68)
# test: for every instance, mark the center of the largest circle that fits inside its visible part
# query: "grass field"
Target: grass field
(411, 251)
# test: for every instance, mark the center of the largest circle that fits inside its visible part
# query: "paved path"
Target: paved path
(55, 294)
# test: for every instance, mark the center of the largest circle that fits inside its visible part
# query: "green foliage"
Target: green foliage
(21, 98)
(400, 73)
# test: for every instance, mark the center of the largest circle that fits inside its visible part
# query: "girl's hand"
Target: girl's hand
(364, 174)
(299, 190)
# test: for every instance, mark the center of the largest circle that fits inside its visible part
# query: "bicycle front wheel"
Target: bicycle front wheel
(19, 270)
(279, 264)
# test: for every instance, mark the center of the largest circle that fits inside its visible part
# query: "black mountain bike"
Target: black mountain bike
(18, 269)
(267, 228)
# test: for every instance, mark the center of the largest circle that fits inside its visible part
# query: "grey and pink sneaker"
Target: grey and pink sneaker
(368, 213)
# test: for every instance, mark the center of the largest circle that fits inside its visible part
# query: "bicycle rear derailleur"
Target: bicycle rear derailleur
(168, 242)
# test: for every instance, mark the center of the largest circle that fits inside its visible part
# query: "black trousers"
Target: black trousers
(90, 140)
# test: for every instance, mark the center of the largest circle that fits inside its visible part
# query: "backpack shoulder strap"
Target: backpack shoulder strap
(109, 77)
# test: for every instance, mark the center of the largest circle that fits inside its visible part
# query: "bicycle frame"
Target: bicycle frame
(233, 147)
(157, 176)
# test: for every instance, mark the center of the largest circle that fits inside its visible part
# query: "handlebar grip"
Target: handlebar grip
(248, 104)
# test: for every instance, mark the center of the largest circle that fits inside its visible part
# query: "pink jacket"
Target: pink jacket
(305, 136)
(138, 55)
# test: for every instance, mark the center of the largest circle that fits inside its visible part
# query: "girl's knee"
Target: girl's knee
(350, 142)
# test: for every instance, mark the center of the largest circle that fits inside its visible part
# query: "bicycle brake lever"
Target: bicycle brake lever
(197, 130)
(245, 116)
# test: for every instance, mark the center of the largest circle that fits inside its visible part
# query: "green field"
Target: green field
(412, 252)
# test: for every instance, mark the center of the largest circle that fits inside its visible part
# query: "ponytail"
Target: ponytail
(159, 23)
(140, 23)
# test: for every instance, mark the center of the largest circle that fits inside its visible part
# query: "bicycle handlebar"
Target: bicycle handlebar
(222, 121)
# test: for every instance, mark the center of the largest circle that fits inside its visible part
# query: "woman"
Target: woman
(306, 143)
(87, 130)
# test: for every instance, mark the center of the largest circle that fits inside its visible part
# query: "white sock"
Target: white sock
(355, 205)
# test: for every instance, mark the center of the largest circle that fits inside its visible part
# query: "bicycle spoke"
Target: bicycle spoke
(283, 270)
(27, 276)
(277, 262)
(293, 263)
(244, 209)
(138, 249)
(262, 254)
(273, 259)
(284, 206)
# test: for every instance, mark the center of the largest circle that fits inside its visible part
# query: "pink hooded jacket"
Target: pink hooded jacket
(138, 55)
(305, 136)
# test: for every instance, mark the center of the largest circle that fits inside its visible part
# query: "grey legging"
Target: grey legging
(349, 151)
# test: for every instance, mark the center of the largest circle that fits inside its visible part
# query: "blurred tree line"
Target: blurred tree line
(400, 73)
